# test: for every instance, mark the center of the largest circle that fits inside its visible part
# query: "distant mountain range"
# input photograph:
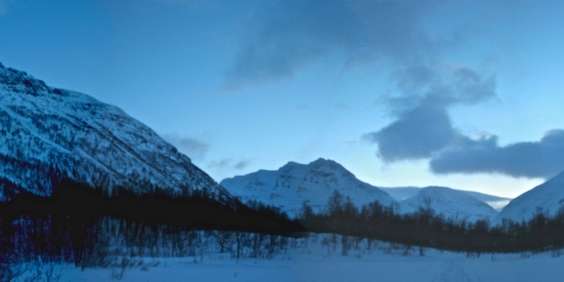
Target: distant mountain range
(48, 133)
(403, 193)
(293, 184)
(452, 204)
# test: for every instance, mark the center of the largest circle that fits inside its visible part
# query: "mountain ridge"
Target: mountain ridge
(452, 204)
(546, 198)
(50, 132)
(294, 183)
(315, 182)
(403, 193)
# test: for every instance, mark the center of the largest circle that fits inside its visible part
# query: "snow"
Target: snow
(403, 193)
(315, 262)
(293, 184)
(498, 205)
(44, 129)
(452, 204)
(547, 198)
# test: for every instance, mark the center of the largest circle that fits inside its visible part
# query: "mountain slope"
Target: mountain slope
(452, 204)
(496, 202)
(403, 193)
(547, 198)
(48, 133)
(293, 184)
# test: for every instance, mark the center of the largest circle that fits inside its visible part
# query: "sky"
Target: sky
(466, 94)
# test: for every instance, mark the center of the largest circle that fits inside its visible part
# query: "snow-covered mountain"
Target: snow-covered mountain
(47, 132)
(293, 184)
(547, 198)
(403, 193)
(452, 204)
(496, 202)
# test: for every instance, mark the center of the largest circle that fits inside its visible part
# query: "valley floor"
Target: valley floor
(318, 262)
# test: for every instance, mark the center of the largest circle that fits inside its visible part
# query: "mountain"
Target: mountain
(403, 193)
(496, 202)
(48, 133)
(452, 204)
(547, 198)
(293, 184)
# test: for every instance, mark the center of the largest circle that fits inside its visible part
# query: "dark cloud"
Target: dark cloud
(423, 129)
(415, 135)
(423, 126)
(194, 148)
(292, 33)
(526, 159)
(424, 86)
(229, 164)
(241, 164)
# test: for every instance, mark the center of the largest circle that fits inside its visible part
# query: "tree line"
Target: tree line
(196, 209)
(90, 226)
(425, 228)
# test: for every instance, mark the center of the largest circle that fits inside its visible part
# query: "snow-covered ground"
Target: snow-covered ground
(315, 260)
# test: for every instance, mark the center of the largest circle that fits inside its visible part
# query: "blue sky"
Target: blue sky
(454, 93)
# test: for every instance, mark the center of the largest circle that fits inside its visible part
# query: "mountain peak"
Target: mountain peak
(294, 183)
(324, 162)
(291, 164)
(321, 165)
(21, 82)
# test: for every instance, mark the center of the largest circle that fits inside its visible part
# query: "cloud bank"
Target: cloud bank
(423, 129)
(543, 158)
(423, 125)
(291, 34)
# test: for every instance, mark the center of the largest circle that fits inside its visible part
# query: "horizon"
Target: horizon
(449, 94)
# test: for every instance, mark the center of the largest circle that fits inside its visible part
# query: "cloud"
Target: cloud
(4, 7)
(422, 125)
(422, 128)
(439, 87)
(241, 164)
(194, 148)
(230, 164)
(291, 34)
(415, 135)
(542, 158)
